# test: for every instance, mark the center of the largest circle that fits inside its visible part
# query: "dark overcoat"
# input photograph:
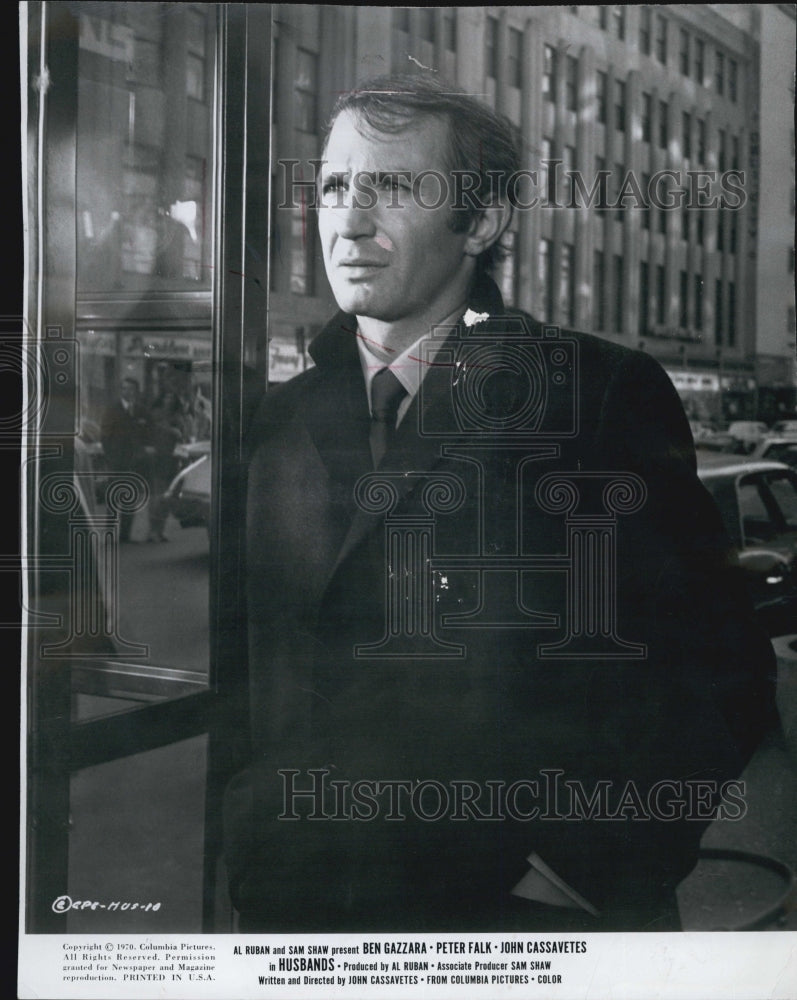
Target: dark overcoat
(536, 594)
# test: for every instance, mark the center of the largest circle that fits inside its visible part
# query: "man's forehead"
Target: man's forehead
(412, 142)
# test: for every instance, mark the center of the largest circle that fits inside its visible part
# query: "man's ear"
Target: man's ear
(488, 227)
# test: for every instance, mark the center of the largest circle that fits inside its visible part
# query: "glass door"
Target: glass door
(148, 156)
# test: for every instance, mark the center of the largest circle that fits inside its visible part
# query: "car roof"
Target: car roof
(718, 464)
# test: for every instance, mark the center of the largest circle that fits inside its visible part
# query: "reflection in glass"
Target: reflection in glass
(144, 240)
(143, 147)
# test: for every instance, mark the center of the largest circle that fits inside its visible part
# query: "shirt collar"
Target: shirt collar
(411, 366)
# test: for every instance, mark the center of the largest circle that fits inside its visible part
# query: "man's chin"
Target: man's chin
(357, 302)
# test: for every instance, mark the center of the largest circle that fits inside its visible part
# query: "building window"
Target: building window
(718, 317)
(618, 11)
(683, 300)
(567, 285)
(302, 257)
(545, 279)
(619, 105)
(598, 291)
(663, 129)
(195, 55)
(698, 290)
(619, 293)
(700, 235)
(644, 31)
(733, 80)
(547, 176)
(647, 116)
(661, 39)
(719, 68)
(700, 61)
(685, 224)
(571, 83)
(491, 42)
(515, 60)
(662, 220)
(684, 52)
(600, 167)
(601, 86)
(450, 29)
(549, 73)
(686, 121)
(401, 18)
(603, 17)
(733, 233)
(426, 24)
(661, 285)
(735, 157)
(508, 267)
(646, 210)
(720, 231)
(617, 185)
(701, 141)
(305, 87)
(721, 149)
(644, 298)
(731, 314)
(274, 237)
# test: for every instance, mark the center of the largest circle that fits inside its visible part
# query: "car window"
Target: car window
(757, 523)
(784, 490)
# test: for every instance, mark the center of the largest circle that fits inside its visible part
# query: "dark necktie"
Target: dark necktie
(386, 396)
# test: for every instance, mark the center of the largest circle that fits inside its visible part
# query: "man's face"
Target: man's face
(389, 263)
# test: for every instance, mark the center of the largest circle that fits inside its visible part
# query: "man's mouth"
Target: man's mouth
(356, 262)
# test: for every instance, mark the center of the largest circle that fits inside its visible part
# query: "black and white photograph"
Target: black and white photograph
(409, 501)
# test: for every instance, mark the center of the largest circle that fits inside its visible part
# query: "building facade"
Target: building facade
(644, 127)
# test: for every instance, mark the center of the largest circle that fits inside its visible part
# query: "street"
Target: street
(164, 595)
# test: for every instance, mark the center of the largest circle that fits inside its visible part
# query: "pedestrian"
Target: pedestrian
(167, 430)
(124, 431)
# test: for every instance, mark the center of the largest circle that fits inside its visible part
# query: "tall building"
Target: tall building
(774, 26)
(654, 93)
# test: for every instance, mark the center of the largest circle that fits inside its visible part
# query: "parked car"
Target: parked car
(189, 451)
(719, 441)
(188, 495)
(785, 428)
(758, 504)
(777, 449)
(748, 432)
(701, 429)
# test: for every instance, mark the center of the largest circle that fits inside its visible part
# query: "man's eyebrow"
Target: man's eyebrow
(333, 175)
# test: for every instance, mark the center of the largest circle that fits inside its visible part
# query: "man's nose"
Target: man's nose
(353, 216)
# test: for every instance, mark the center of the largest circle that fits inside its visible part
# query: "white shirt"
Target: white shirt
(411, 366)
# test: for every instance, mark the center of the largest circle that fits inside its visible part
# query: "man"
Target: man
(124, 435)
(421, 686)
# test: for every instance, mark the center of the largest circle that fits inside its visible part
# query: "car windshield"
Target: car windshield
(784, 492)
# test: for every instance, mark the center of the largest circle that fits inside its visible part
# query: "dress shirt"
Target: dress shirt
(409, 367)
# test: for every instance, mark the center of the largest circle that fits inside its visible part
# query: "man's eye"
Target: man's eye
(392, 183)
(333, 184)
